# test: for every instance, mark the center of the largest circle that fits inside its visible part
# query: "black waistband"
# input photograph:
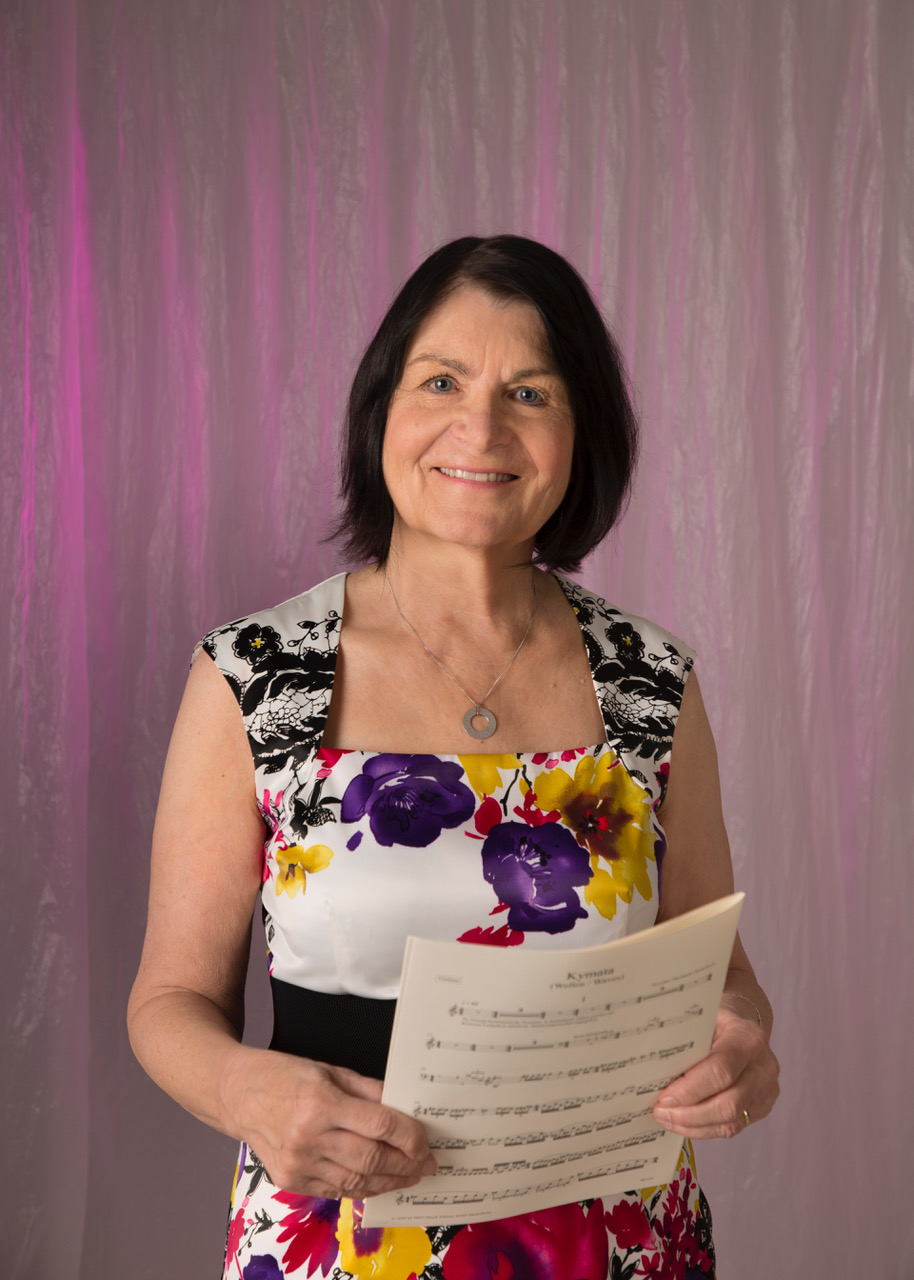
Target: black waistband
(344, 1030)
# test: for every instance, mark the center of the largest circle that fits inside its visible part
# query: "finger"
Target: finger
(727, 1122)
(375, 1139)
(368, 1159)
(333, 1161)
(369, 1119)
(714, 1075)
(724, 1115)
(330, 1181)
(355, 1185)
(738, 1045)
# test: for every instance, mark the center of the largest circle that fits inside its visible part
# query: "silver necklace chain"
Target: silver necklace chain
(477, 708)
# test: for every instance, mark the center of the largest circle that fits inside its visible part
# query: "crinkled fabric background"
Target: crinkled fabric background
(204, 208)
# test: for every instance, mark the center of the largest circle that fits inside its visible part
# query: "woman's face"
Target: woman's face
(479, 434)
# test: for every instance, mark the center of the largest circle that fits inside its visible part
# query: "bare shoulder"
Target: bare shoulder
(209, 725)
(697, 866)
(209, 763)
(694, 749)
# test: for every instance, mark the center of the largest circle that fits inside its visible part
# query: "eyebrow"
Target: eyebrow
(431, 357)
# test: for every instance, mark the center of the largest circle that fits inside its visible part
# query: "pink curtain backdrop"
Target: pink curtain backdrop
(204, 208)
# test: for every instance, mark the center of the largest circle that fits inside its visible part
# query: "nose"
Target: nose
(482, 424)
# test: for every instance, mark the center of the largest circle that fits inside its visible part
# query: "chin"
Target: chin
(479, 535)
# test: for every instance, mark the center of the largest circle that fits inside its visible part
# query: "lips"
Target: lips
(491, 477)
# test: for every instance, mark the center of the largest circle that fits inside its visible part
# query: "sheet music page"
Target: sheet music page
(535, 1072)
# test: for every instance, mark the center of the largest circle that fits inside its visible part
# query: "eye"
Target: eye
(440, 384)
(529, 395)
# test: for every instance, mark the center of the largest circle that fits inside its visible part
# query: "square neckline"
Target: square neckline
(343, 578)
(554, 755)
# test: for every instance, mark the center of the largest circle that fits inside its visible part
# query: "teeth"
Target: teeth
(475, 475)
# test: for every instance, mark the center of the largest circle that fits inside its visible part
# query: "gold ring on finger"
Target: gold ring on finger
(746, 1114)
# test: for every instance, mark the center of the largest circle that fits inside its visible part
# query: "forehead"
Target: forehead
(472, 318)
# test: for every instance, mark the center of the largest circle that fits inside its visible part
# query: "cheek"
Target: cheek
(562, 459)
(391, 452)
(395, 468)
(400, 456)
(400, 439)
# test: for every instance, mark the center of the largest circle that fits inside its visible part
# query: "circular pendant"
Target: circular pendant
(490, 725)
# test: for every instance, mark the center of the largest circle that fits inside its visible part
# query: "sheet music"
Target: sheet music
(535, 1072)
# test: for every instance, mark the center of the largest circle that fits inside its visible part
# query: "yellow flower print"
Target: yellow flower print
(293, 864)
(380, 1253)
(609, 814)
(602, 804)
(482, 771)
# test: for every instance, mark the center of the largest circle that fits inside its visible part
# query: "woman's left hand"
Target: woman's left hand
(735, 1085)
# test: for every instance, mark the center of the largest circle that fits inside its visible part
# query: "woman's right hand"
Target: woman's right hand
(321, 1130)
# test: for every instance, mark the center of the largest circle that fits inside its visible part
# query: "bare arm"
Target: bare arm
(320, 1130)
(739, 1076)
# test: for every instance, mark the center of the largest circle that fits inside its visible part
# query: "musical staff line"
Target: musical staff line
(471, 1016)
(494, 1081)
(573, 1042)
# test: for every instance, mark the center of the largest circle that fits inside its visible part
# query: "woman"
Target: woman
(451, 741)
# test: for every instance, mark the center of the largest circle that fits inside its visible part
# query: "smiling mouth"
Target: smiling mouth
(493, 477)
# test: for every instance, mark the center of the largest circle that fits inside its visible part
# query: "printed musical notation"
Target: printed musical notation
(595, 1034)
(593, 1037)
(472, 1017)
(491, 1080)
(560, 1106)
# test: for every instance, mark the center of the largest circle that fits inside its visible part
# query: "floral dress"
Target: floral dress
(553, 849)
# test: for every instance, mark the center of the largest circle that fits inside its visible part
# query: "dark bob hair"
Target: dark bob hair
(585, 355)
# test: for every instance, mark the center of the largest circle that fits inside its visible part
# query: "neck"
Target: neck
(448, 585)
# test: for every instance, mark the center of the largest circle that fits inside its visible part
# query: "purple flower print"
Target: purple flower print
(408, 799)
(533, 871)
(262, 1267)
